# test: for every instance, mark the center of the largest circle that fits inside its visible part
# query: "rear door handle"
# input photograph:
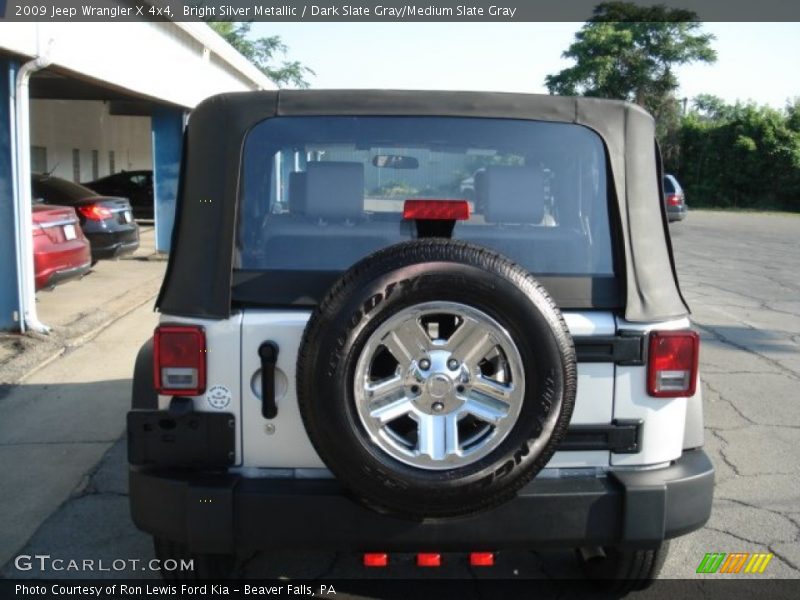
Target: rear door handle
(268, 353)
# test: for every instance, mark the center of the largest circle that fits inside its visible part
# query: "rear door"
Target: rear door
(538, 195)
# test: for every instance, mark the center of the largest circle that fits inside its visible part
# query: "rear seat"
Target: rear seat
(512, 200)
(327, 228)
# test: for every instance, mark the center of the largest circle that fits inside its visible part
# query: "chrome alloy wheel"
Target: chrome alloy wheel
(439, 385)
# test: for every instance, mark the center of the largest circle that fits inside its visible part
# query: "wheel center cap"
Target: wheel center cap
(439, 386)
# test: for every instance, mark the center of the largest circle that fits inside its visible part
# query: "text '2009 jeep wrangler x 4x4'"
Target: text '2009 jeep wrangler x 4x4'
(420, 322)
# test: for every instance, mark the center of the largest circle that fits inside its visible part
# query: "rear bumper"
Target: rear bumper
(54, 268)
(68, 274)
(220, 513)
(113, 243)
(677, 213)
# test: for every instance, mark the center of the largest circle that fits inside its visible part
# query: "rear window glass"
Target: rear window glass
(320, 193)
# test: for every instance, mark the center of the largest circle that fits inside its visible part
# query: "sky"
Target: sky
(756, 61)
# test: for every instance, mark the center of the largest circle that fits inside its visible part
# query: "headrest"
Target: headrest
(511, 194)
(334, 190)
(297, 191)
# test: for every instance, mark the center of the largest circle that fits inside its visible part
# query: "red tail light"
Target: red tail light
(376, 559)
(95, 212)
(436, 210)
(481, 559)
(672, 363)
(673, 200)
(37, 230)
(179, 353)
(429, 559)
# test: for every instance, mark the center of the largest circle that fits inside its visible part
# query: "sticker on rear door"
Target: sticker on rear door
(218, 397)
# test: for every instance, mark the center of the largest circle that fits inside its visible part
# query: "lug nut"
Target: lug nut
(415, 389)
(437, 407)
(452, 364)
(424, 364)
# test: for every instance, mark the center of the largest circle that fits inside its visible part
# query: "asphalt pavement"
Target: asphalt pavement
(65, 492)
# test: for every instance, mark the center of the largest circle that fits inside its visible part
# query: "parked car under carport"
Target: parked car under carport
(136, 186)
(60, 250)
(106, 221)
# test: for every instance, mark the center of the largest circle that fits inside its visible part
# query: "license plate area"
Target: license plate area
(69, 232)
(191, 440)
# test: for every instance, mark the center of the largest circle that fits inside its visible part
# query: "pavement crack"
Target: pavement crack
(715, 428)
(707, 371)
(759, 302)
(734, 535)
(738, 411)
(87, 486)
(730, 402)
(720, 337)
(784, 559)
(89, 490)
(243, 564)
(755, 507)
(722, 454)
(543, 567)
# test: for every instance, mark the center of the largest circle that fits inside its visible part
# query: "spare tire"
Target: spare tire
(436, 378)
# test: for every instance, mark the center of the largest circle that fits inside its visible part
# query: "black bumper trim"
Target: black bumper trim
(205, 440)
(68, 274)
(620, 437)
(627, 348)
(113, 244)
(627, 508)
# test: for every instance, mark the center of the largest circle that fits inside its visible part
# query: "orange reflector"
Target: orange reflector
(426, 559)
(481, 559)
(436, 210)
(376, 559)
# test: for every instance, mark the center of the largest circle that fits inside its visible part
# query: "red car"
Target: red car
(60, 250)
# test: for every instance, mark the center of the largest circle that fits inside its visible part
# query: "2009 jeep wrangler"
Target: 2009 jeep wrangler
(420, 321)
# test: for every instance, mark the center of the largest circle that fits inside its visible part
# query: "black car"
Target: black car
(675, 199)
(107, 221)
(137, 186)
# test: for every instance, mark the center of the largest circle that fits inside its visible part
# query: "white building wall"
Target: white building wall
(63, 125)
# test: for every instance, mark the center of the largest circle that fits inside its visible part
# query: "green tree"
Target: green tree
(262, 53)
(793, 110)
(740, 155)
(708, 107)
(629, 52)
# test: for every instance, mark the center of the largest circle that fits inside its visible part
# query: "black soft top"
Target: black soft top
(199, 274)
